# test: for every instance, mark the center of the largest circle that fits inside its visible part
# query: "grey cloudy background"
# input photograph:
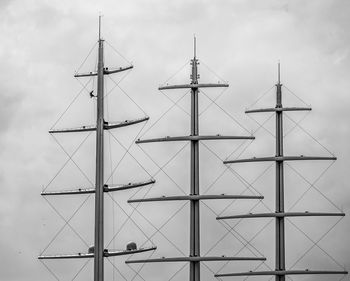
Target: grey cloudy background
(44, 42)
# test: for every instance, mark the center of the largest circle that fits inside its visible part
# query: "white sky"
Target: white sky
(44, 42)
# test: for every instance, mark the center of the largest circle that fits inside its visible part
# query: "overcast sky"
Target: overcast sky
(44, 42)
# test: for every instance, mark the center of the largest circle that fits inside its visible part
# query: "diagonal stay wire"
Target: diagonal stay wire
(115, 50)
(296, 124)
(313, 185)
(227, 232)
(71, 158)
(126, 94)
(239, 177)
(66, 222)
(260, 125)
(177, 272)
(116, 268)
(226, 167)
(67, 161)
(229, 229)
(137, 272)
(161, 168)
(212, 71)
(80, 270)
(165, 223)
(254, 181)
(115, 202)
(128, 217)
(88, 55)
(179, 106)
(71, 103)
(242, 179)
(228, 114)
(260, 97)
(170, 108)
(316, 243)
(295, 95)
(127, 151)
(212, 102)
(234, 151)
(224, 171)
(177, 72)
(311, 136)
(49, 270)
(245, 246)
(127, 73)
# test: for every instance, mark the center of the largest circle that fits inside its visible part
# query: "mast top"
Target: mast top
(99, 27)
(279, 72)
(194, 46)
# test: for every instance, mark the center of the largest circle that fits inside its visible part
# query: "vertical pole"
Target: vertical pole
(194, 208)
(280, 240)
(99, 244)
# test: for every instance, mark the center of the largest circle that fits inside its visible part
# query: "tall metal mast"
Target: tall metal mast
(99, 226)
(280, 246)
(97, 251)
(280, 271)
(194, 208)
(194, 197)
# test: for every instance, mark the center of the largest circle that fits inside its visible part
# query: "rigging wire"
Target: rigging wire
(126, 94)
(174, 104)
(71, 159)
(316, 244)
(67, 161)
(295, 95)
(49, 270)
(310, 135)
(71, 103)
(161, 168)
(312, 185)
(66, 222)
(88, 55)
(80, 270)
(228, 114)
(120, 54)
(212, 71)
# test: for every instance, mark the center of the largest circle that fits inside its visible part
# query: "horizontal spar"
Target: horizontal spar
(107, 126)
(107, 188)
(191, 86)
(189, 259)
(106, 253)
(279, 159)
(195, 138)
(106, 71)
(280, 215)
(195, 197)
(281, 272)
(278, 109)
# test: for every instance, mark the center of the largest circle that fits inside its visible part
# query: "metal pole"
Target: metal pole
(194, 208)
(99, 244)
(280, 236)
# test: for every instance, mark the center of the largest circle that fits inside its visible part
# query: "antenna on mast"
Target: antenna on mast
(279, 72)
(99, 27)
(194, 46)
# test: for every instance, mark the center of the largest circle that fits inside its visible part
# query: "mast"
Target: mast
(280, 271)
(194, 197)
(194, 186)
(97, 251)
(280, 241)
(99, 226)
